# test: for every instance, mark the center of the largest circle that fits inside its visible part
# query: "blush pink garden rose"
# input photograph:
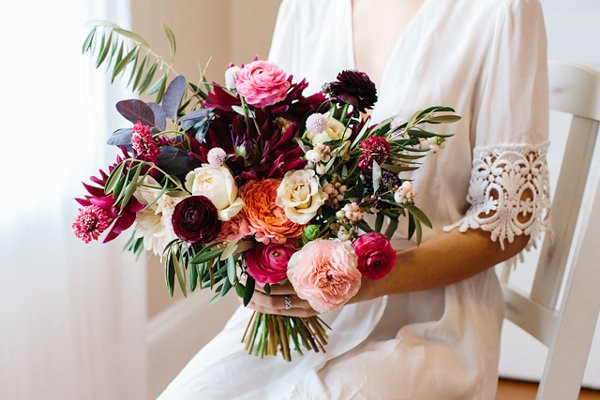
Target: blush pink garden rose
(268, 263)
(376, 257)
(324, 273)
(262, 83)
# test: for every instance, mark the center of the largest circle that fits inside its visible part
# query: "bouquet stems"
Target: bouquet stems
(268, 335)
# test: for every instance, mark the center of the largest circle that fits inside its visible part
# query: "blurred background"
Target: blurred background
(89, 321)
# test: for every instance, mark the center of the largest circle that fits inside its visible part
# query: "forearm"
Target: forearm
(446, 259)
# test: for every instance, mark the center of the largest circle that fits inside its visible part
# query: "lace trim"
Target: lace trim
(501, 174)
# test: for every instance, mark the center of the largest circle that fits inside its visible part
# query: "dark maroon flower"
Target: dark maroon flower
(374, 148)
(376, 257)
(195, 220)
(354, 88)
(268, 263)
(389, 183)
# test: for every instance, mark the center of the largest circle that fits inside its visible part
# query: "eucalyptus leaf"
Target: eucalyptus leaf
(160, 119)
(240, 110)
(231, 272)
(120, 66)
(180, 273)
(136, 110)
(173, 96)
(176, 161)
(121, 137)
(189, 120)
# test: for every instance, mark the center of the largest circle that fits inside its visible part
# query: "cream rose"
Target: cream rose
(334, 130)
(300, 196)
(218, 185)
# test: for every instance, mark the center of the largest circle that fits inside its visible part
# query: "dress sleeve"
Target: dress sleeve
(509, 185)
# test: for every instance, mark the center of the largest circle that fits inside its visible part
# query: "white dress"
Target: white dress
(487, 59)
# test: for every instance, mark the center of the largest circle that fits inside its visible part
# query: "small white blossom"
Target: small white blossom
(231, 75)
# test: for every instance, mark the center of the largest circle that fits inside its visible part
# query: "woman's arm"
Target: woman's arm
(443, 260)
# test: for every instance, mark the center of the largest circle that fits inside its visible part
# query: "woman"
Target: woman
(431, 328)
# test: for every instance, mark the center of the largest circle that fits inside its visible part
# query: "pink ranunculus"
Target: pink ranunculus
(376, 257)
(324, 272)
(235, 229)
(268, 263)
(262, 83)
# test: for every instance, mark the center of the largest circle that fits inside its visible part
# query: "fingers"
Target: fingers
(278, 290)
(275, 304)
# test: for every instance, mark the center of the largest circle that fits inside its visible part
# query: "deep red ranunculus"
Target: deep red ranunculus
(195, 220)
(268, 263)
(376, 257)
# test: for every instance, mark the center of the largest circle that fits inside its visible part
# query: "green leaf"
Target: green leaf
(379, 222)
(204, 256)
(102, 22)
(131, 35)
(179, 272)
(117, 62)
(391, 228)
(170, 273)
(171, 38)
(411, 225)
(140, 72)
(215, 298)
(113, 178)
(120, 66)
(104, 48)
(192, 276)
(231, 272)
(418, 231)
(159, 87)
(443, 119)
(133, 185)
(229, 250)
(148, 78)
(419, 215)
(249, 290)
(225, 288)
(362, 224)
(239, 289)
(89, 40)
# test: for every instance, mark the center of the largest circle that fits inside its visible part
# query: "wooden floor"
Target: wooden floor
(517, 390)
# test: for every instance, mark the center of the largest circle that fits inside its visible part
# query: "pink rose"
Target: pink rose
(376, 257)
(324, 273)
(262, 83)
(268, 263)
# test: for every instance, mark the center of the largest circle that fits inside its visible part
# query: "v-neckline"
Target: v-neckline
(391, 56)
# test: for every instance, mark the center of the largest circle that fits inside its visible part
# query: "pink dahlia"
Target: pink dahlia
(374, 148)
(143, 143)
(90, 223)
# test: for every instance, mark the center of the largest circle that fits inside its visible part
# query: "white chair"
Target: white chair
(571, 260)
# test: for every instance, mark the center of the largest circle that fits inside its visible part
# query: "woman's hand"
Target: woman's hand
(283, 300)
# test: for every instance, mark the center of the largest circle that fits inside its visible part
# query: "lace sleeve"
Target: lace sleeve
(508, 192)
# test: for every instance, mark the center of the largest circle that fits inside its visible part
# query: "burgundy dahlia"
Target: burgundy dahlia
(195, 220)
(374, 148)
(354, 88)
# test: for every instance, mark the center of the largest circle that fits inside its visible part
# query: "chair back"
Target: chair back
(562, 307)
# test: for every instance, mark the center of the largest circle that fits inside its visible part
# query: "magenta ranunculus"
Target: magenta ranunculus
(262, 83)
(324, 273)
(376, 257)
(196, 220)
(268, 263)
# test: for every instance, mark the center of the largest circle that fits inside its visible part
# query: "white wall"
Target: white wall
(573, 29)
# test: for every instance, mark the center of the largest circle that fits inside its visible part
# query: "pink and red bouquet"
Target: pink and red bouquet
(257, 183)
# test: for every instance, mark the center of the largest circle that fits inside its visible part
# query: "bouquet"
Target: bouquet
(252, 182)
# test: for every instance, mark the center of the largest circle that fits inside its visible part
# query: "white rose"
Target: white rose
(334, 130)
(300, 196)
(218, 185)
